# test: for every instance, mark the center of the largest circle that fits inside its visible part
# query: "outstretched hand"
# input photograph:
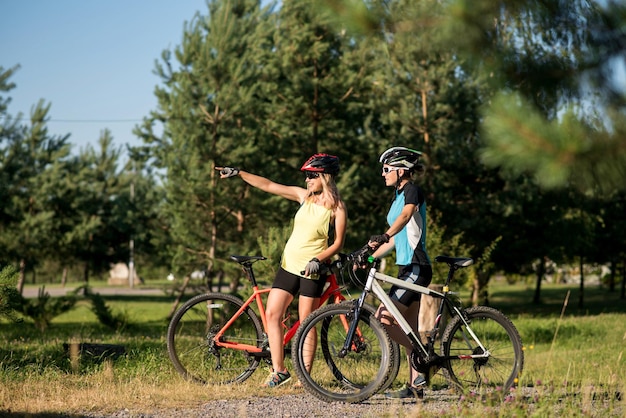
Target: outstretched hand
(226, 172)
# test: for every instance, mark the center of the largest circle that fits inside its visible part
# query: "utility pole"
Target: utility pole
(131, 246)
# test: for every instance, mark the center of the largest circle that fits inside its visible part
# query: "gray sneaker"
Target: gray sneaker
(406, 392)
(420, 381)
(276, 379)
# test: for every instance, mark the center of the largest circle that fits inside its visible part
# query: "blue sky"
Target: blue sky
(93, 61)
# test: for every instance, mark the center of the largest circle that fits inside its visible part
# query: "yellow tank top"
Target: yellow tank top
(308, 238)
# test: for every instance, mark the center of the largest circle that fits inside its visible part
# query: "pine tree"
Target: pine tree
(98, 222)
(28, 156)
(207, 105)
(550, 111)
(559, 113)
(317, 80)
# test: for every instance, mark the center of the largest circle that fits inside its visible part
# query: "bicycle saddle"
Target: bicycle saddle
(247, 258)
(458, 262)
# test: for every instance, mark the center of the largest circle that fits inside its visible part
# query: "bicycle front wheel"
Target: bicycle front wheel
(191, 343)
(352, 377)
(496, 373)
(329, 354)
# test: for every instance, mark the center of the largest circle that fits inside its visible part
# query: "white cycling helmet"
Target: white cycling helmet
(400, 157)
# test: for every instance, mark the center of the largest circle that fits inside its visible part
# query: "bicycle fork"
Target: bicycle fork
(353, 336)
(352, 330)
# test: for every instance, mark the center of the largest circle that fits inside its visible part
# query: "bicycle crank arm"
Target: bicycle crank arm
(484, 355)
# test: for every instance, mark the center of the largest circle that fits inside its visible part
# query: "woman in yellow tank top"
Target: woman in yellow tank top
(308, 246)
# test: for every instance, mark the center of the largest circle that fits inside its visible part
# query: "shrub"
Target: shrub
(10, 299)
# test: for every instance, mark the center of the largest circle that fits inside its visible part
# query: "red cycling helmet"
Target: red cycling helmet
(322, 163)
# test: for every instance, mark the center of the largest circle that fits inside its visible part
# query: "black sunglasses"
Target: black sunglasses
(311, 175)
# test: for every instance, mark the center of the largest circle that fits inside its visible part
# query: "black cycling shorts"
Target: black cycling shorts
(415, 274)
(295, 284)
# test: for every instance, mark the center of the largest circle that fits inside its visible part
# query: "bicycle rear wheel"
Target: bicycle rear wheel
(497, 373)
(192, 348)
(354, 377)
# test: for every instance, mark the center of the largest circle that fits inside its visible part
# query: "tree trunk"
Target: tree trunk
(484, 286)
(22, 277)
(64, 277)
(209, 280)
(540, 273)
(623, 294)
(475, 290)
(581, 296)
(234, 283)
(480, 282)
(612, 276)
(86, 278)
(179, 298)
(425, 116)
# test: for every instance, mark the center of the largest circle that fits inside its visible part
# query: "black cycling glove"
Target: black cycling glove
(380, 239)
(361, 258)
(312, 267)
(229, 171)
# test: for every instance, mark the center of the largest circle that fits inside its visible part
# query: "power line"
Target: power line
(94, 120)
(80, 120)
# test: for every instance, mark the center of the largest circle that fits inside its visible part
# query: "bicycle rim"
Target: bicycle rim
(496, 374)
(352, 378)
(191, 346)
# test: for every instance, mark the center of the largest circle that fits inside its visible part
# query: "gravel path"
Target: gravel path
(301, 406)
(435, 403)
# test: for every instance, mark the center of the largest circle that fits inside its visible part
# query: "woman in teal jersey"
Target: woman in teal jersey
(407, 235)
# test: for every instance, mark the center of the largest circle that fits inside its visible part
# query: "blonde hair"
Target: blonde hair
(330, 193)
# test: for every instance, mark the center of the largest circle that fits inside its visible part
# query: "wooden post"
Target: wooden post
(93, 351)
(74, 355)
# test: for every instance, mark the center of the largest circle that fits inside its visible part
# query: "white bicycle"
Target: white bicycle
(480, 348)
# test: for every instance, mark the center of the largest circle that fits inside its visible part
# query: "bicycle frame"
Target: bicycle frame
(332, 290)
(372, 285)
(462, 357)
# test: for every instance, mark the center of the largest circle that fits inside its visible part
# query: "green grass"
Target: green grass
(573, 363)
(517, 299)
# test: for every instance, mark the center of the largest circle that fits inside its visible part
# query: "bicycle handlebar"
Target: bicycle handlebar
(359, 257)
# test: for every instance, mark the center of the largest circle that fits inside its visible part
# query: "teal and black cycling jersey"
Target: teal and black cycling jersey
(410, 242)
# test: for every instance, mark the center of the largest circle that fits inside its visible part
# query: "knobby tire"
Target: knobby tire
(191, 346)
(498, 373)
(366, 368)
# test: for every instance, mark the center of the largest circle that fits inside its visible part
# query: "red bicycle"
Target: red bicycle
(218, 338)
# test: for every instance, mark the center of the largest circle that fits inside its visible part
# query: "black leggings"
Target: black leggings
(414, 274)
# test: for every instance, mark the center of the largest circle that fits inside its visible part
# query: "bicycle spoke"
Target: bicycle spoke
(192, 346)
(327, 374)
(497, 372)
